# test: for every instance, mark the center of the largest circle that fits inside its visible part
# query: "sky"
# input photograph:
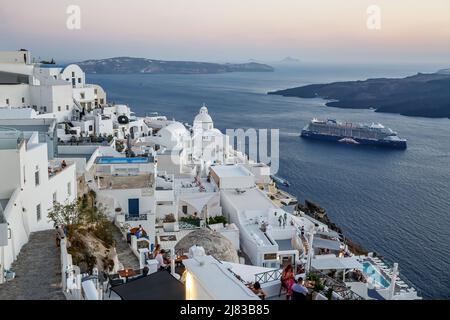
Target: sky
(231, 30)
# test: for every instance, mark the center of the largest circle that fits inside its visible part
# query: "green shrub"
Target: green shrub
(103, 231)
(217, 219)
(195, 221)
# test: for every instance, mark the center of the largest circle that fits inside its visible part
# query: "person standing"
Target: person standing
(288, 280)
(59, 235)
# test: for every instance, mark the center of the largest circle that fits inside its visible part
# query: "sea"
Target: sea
(393, 202)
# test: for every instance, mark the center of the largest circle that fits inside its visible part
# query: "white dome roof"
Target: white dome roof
(172, 135)
(203, 116)
(212, 242)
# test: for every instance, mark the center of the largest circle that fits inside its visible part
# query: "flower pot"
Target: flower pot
(171, 226)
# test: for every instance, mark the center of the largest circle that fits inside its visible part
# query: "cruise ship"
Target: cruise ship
(353, 133)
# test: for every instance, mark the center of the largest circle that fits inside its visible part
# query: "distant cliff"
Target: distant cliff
(128, 65)
(425, 95)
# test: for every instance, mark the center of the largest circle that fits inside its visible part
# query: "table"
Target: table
(127, 273)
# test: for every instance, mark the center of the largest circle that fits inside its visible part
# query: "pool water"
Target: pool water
(112, 160)
(375, 276)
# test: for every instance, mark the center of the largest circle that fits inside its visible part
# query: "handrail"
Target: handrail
(267, 276)
(139, 217)
(337, 286)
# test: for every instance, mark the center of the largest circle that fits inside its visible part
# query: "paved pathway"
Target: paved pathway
(124, 252)
(37, 268)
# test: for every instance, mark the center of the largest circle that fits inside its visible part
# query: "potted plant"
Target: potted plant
(170, 224)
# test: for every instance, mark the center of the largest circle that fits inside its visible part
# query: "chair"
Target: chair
(113, 281)
(298, 296)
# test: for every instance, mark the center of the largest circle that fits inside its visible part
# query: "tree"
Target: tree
(65, 214)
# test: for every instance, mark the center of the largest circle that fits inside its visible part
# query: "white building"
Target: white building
(29, 187)
(190, 152)
(56, 91)
(209, 279)
(126, 188)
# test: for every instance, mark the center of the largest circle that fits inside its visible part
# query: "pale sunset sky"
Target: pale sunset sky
(230, 30)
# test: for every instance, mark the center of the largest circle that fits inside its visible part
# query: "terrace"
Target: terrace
(10, 138)
(143, 181)
(56, 166)
(194, 185)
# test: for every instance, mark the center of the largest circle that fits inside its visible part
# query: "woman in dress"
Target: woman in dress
(288, 280)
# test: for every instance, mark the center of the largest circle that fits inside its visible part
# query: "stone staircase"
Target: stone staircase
(38, 270)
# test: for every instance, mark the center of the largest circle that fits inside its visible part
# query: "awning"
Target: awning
(160, 285)
(199, 200)
(335, 263)
(326, 244)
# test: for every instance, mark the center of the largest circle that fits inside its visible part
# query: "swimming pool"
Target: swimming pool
(112, 160)
(374, 275)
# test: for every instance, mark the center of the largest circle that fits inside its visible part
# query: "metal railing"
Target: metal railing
(337, 286)
(268, 276)
(136, 217)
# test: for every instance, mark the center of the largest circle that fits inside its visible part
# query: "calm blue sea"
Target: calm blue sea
(396, 203)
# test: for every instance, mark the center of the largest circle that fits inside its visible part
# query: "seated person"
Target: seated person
(156, 250)
(258, 291)
(299, 291)
(162, 262)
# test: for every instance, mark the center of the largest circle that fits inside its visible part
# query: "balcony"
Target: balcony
(140, 217)
(10, 138)
(57, 166)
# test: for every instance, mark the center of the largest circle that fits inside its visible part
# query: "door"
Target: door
(133, 207)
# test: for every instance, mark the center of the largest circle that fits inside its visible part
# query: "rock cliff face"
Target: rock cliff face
(129, 65)
(317, 212)
(425, 95)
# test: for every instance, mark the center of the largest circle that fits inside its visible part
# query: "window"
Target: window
(59, 108)
(38, 212)
(36, 177)
(23, 100)
(7, 101)
(67, 107)
(24, 179)
(184, 209)
(95, 91)
(69, 189)
(54, 197)
(90, 128)
(82, 95)
(79, 80)
(101, 101)
(73, 74)
(67, 79)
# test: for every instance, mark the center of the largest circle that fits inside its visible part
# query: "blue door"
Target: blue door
(133, 207)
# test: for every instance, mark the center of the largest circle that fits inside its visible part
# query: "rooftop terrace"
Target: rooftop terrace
(142, 181)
